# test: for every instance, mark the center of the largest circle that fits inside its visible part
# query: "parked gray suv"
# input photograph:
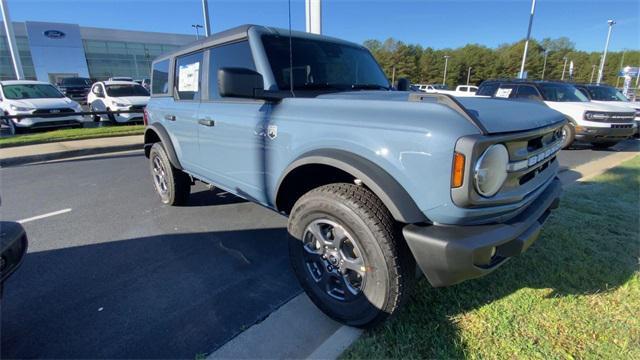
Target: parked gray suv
(372, 180)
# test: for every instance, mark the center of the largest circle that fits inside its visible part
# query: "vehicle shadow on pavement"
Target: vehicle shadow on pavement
(166, 296)
(110, 156)
(574, 256)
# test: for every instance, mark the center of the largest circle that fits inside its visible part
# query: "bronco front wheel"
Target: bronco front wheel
(349, 255)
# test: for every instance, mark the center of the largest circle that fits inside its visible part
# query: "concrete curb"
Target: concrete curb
(21, 160)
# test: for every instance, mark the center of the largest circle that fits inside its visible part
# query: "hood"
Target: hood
(583, 106)
(621, 104)
(44, 103)
(495, 115)
(132, 100)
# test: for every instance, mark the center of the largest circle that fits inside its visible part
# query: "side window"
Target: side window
(97, 90)
(487, 89)
(463, 88)
(236, 55)
(528, 92)
(187, 76)
(585, 92)
(160, 78)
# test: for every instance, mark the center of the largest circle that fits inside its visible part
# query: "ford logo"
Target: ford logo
(54, 34)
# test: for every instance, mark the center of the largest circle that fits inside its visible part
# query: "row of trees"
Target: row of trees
(426, 65)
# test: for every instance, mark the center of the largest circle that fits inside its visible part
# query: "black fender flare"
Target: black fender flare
(163, 135)
(380, 182)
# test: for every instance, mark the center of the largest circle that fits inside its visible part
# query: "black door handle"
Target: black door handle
(170, 117)
(207, 122)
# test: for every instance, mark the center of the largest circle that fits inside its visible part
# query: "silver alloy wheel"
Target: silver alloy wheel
(159, 176)
(333, 260)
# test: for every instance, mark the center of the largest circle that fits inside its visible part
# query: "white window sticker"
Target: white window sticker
(503, 93)
(188, 76)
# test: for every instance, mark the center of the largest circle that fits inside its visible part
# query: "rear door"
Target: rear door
(180, 116)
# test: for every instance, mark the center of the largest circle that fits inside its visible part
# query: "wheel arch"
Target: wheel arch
(157, 133)
(329, 166)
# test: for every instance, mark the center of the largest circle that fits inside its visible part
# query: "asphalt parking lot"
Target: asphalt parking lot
(111, 273)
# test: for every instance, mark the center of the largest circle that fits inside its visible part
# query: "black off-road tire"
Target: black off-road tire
(570, 136)
(177, 183)
(603, 145)
(390, 266)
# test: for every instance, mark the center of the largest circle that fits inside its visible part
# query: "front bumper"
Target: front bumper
(450, 254)
(617, 132)
(129, 118)
(36, 122)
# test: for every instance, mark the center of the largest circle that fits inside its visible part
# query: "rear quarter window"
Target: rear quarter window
(487, 90)
(160, 78)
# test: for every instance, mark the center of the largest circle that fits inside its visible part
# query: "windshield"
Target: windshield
(319, 65)
(30, 91)
(75, 82)
(605, 93)
(561, 93)
(126, 90)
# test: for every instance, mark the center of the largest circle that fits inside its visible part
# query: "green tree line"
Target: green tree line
(426, 65)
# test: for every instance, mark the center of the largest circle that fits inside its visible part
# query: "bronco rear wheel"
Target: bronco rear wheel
(349, 255)
(172, 184)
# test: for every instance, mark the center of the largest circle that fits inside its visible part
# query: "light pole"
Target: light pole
(593, 71)
(564, 67)
(446, 62)
(205, 14)
(468, 75)
(11, 40)
(544, 64)
(313, 15)
(621, 65)
(197, 26)
(526, 43)
(604, 54)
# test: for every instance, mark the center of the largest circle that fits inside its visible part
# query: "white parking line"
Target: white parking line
(44, 216)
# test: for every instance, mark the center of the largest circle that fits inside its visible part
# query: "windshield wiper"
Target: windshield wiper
(369, 87)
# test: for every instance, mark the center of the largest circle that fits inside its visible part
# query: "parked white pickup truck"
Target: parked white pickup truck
(461, 90)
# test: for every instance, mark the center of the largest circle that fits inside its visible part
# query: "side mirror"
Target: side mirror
(240, 82)
(13, 244)
(403, 84)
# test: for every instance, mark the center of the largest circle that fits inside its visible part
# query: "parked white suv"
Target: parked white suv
(26, 97)
(606, 94)
(115, 96)
(600, 124)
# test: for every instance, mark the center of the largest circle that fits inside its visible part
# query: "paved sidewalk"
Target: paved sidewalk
(58, 150)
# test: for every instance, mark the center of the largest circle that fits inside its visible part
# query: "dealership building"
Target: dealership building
(50, 51)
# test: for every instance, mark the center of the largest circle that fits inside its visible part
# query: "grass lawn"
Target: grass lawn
(574, 294)
(71, 134)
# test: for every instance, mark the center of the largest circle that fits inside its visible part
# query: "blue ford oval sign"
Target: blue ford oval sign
(54, 34)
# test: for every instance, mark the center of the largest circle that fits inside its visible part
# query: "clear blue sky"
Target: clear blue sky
(437, 24)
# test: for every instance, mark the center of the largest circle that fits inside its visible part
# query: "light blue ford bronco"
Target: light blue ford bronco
(373, 179)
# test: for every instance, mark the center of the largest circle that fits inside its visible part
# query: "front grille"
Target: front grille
(530, 157)
(43, 124)
(621, 126)
(137, 108)
(615, 117)
(53, 111)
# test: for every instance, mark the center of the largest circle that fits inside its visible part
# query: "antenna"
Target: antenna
(290, 55)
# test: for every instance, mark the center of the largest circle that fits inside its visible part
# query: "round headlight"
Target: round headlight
(491, 170)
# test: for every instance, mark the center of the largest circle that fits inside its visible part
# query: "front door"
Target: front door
(232, 132)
